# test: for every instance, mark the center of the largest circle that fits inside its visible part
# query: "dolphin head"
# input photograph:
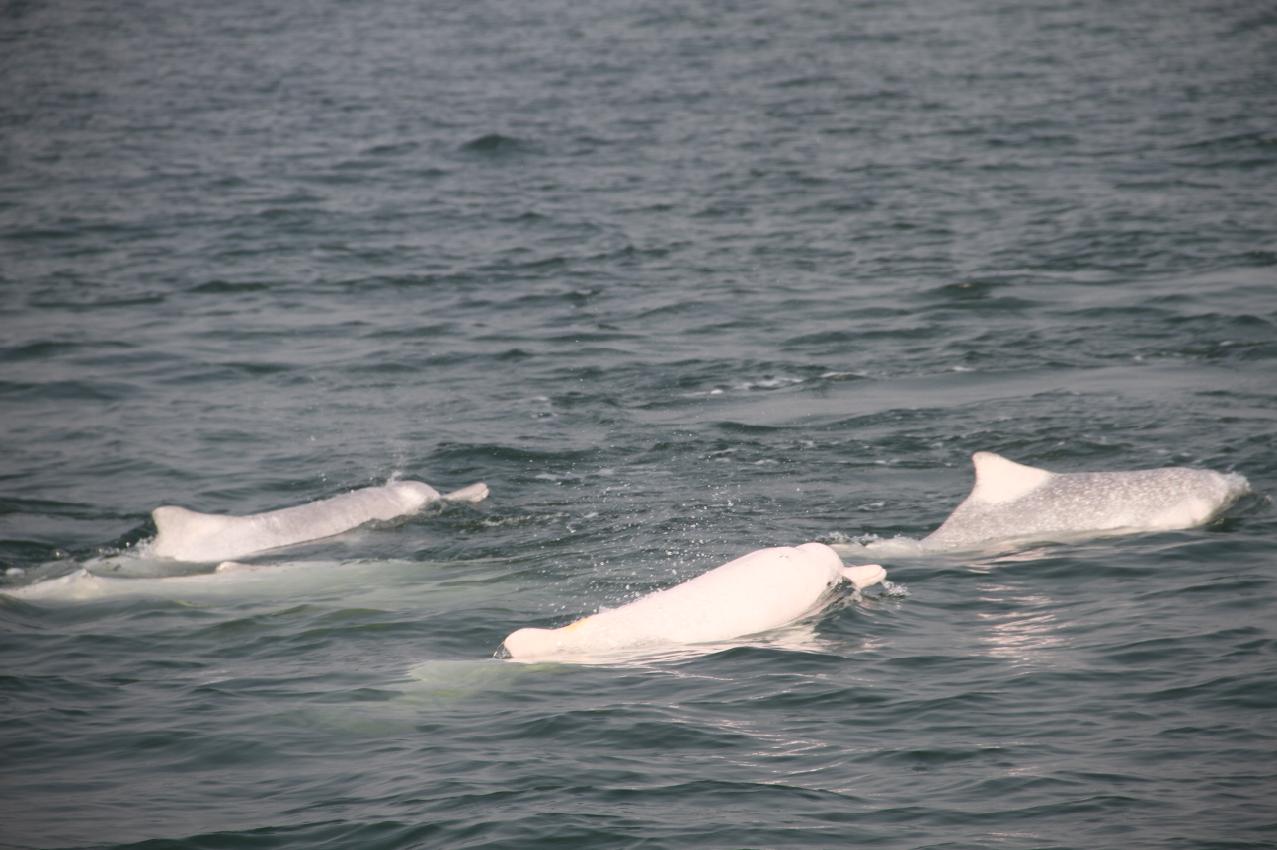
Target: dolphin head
(413, 494)
(823, 555)
(530, 643)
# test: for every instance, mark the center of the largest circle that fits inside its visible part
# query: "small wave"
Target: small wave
(771, 382)
(764, 384)
(228, 287)
(892, 590)
(495, 144)
(900, 546)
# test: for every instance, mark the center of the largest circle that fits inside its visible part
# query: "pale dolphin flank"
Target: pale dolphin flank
(755, 593)
(84, 585)
(1011, 502)
(192, 536)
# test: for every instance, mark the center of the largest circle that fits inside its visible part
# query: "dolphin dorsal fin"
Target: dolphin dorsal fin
(171, 519)
(180, 529)
(998, 480)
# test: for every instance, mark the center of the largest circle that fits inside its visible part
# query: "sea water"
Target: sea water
(678, 282)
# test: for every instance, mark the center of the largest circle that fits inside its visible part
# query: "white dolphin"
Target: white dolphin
(1016, 504)
(755, 593)
(187, 535)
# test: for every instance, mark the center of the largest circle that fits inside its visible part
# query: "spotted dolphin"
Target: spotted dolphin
(1015, 503)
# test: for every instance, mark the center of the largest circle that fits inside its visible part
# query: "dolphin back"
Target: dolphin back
(755, 593)
(193, 536)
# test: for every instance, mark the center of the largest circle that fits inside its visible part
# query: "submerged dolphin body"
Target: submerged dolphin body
(1014, 503)
(84, 585)
(758, 592)
(187, 535)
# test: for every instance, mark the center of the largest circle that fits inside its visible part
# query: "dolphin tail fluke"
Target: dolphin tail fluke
(864, 575)
(472, 494)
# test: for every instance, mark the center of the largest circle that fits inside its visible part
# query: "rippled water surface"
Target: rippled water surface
(677, 282)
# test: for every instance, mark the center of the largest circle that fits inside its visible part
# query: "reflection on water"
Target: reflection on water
(1023, 633)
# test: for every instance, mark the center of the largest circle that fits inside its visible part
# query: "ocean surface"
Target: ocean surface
(678, 281)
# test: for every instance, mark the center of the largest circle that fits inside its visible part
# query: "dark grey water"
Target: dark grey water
(677, 282)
